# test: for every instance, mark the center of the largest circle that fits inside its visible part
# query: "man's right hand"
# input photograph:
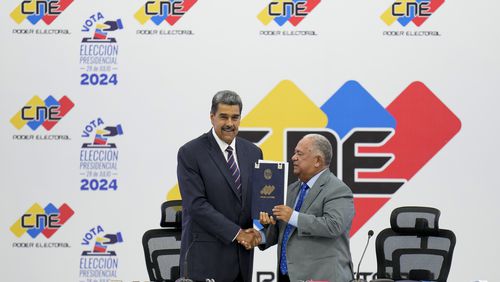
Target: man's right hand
(265, 219)
(249, 238)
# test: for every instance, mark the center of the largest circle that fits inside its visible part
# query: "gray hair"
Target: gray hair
(322, 146)
(226, 97)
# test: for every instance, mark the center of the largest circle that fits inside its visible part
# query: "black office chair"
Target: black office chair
(414, 248)
(162, 246)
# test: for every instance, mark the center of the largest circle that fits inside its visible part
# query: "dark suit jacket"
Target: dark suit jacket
(212, 210)
(318, 249)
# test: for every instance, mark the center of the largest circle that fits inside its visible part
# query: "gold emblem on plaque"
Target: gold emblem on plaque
(267, 190)
(268, 174)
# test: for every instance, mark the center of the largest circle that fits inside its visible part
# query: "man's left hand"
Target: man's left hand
(282, 212)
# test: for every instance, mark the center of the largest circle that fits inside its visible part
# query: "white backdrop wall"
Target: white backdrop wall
(166, 76)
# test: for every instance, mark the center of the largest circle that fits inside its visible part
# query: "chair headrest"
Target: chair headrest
(171, 214)
(415, 220)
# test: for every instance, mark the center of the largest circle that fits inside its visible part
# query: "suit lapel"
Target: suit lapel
(243, 166)
(219, 159)
(315, 190)
(292, 194)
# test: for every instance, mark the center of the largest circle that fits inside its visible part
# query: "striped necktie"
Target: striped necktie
(288, 230)
(233, 168)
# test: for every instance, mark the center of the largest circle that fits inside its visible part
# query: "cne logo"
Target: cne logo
(406, 11)
(46, 113)
(293, 11)
(376, 149)
(38, 220)
(36, 10)
(159, 11)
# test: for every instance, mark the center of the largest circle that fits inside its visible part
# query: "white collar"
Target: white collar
(222, 144)
(313, 179)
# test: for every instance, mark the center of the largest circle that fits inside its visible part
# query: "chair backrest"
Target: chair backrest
(162, 246)
(171, 214)
(414, 247)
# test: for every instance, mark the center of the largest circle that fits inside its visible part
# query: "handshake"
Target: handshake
(249, 238)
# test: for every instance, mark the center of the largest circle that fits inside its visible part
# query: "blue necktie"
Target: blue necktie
(233, 168)
(288, 230)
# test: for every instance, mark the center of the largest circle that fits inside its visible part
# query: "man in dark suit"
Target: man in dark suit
(312, 231)
(214, 179)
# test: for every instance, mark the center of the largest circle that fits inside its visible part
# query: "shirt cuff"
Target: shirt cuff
(294, 219)
(236, 235)
(263, 237)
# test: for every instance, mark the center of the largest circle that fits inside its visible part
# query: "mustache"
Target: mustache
(227, 128)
